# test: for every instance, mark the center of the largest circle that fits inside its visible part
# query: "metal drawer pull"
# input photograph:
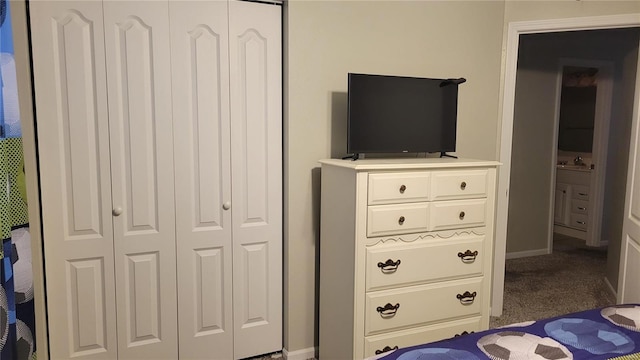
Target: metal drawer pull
(583, 194)
(581, 208)
(401, 220)
(402, 189)
(388, 310)
(468, 256)
(467, 298)
(462, 215)
(463, 185)
(463, 333)
(389, 266)
(386, 348)
(581, 222)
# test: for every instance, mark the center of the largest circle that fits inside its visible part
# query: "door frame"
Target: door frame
(22, 55)
(514, 30)
(602, 118)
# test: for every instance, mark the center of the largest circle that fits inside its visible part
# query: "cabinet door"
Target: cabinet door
(562, 205)
(200, 72)
(140, 122)
(73, 141)
(256, 167)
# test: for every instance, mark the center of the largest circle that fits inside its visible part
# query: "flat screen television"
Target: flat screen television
(396, 114)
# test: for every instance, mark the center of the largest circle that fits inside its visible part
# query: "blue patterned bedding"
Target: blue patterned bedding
(607, 333)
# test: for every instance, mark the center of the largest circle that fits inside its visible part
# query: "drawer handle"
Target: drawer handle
(402, 189)
(468, 256)
(581, 208)
(467, 298)
(389, 266)
(401, 220)
(388, 310)
(581, 222)
(462, 214)
(463, 333)
(583, 194)
(463, 185)
(386, 348)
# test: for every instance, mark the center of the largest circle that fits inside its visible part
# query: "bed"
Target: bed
(606, 333)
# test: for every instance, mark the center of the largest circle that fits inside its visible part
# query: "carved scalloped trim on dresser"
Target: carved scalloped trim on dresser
(408, 238)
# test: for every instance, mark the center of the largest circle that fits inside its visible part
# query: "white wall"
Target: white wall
(326, 40)
(531, 189)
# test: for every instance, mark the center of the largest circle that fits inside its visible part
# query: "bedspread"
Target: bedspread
(607, 333)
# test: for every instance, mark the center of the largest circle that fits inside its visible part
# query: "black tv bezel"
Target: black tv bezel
(441, 150)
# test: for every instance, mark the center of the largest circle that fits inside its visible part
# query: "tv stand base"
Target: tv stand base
(444, 154)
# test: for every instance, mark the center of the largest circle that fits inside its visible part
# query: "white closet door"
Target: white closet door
(256, 166)
(73, 138)
(628, 284)
(199, 47)
(139, 90)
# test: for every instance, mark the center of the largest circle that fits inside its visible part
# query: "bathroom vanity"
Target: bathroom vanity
(573, 209)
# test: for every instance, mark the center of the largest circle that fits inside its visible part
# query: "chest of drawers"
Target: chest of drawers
(405, 252)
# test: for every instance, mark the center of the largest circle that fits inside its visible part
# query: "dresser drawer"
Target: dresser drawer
(421, 305)
(374, 345)
(386, 188)
(578, 221)
(397, 219)
(457, 214)
(403, 264)
(579, 206)
(580, 192)
(464, 184)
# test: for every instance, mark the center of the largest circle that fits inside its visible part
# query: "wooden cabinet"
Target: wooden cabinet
(405, 252)
(572, 207)
(146, 114)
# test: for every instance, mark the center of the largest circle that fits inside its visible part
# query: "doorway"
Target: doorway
(518, 31)
(581, 138)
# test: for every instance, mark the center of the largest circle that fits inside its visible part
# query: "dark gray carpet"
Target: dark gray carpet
(568, 280)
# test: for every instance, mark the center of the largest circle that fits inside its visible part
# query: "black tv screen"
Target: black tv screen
(394, 114)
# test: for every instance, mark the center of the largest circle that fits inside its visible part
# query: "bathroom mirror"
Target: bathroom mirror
(577, 109)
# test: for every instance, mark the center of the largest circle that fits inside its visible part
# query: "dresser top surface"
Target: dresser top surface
(408, 163)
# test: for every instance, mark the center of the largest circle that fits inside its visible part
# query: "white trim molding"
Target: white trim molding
(610, 287)
(304, 354)
(515, 29)
(528, 253)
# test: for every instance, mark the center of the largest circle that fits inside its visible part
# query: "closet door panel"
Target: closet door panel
(199, 55)
(139, 90)
(73, 140)
(256, 138)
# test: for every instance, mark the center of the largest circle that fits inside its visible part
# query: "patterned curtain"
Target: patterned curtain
(17, 316)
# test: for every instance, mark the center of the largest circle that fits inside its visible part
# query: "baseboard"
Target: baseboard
(610, 287)
(579, 234)
(528, 253)
(304, 354)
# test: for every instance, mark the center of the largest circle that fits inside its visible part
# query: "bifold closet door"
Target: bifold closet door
(199, 46)
(140, 122)
(256, 169)
(106, 177)
(73, 138)
(73, 141)
(227, 123)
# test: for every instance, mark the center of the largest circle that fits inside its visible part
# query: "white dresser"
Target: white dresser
(405, 252)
